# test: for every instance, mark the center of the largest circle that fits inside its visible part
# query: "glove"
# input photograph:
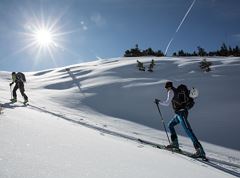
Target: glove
(156, 101)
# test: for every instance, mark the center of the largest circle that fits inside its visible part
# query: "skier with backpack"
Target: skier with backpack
(19, 79)
(181, 103)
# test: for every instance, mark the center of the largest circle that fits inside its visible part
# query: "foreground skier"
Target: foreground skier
(181, 114)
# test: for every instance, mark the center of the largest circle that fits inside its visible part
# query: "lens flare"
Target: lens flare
(44, 37)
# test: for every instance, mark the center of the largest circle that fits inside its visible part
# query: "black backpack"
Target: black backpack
(181, 99)
(21, 76)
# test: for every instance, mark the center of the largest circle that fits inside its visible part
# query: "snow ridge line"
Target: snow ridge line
(128, 137)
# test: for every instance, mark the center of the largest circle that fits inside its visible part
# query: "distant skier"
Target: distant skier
(18, 79)
(140, 66)
(181, 111)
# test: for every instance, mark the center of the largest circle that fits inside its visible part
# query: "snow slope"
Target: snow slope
(109, 103)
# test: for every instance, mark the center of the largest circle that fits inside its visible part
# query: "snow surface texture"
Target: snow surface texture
(109, 104)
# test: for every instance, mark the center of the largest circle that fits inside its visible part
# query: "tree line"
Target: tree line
(223, 51)
(136, 52)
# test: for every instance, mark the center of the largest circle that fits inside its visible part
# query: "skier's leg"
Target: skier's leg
(171, 126)
(22, 90)
(15, 91)
(186, 126)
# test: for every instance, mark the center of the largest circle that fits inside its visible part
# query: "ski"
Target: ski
(24, 103)
(175, 150)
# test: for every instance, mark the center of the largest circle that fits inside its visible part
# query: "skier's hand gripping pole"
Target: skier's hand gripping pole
(157, 103)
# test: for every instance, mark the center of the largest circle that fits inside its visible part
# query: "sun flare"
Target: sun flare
(44, 37)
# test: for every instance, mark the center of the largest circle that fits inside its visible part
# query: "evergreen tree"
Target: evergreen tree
(127, 53)
(230, 51)
(201, 51)
(224, 50)
(205, 65)
(159, 53)
(236, 51)
(194, 53)
(181, 53)
(150, 52)
(136, 52)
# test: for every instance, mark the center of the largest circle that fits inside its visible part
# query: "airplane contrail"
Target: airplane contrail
(179, 26)
(185, 15)
(168, 45)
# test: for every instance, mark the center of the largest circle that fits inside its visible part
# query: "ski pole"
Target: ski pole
(163, 122)
(11, 91)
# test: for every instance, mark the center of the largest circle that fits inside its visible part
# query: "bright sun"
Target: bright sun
(44, 37)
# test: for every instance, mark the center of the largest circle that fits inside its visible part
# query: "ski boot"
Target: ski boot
(13, 100)
(174, 146)
(200, 154)
(25, 102)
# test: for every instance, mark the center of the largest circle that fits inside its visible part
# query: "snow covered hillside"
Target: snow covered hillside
(83, 120)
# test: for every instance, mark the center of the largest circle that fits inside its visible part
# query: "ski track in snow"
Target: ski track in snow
(224, 166)
(231, 168)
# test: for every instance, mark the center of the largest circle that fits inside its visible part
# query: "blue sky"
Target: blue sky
(85, 30)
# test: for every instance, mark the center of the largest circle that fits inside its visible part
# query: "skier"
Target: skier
(18, 79)
(181, 114)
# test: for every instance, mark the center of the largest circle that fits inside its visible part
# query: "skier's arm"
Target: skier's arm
(167, 102)
(13, 80)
